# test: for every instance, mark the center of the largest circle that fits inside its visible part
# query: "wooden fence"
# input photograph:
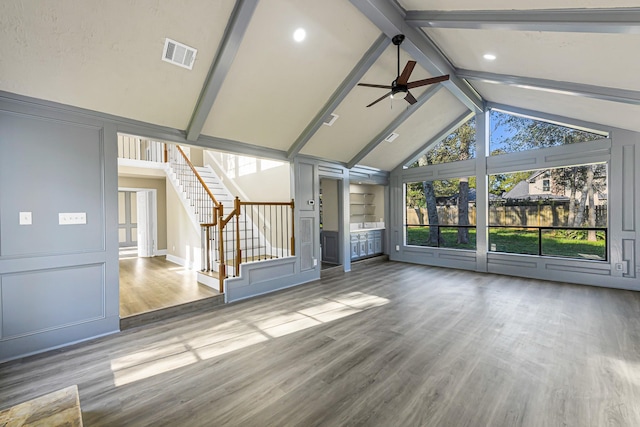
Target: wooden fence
(536, 215)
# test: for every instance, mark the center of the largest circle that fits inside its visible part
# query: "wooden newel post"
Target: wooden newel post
(293, 230)
(236, 209)
(222, 270)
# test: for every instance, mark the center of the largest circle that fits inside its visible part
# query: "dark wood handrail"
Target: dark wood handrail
(268, 203)
(222, 220)
(193, 169)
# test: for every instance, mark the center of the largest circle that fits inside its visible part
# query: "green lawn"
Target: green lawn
(518, 241)
(419, 236)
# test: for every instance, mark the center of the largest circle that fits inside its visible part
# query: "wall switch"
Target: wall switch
(72, 218)
(25, 218)
(315, 262)
(397, 248)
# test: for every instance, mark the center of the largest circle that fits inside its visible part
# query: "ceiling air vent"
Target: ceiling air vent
(330, 119)
(391, 137)
(178, 54)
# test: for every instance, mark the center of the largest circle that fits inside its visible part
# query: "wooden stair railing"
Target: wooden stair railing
(266, 231)
(252, 231)
(203, 201)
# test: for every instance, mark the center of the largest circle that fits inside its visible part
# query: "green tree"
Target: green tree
(459, 145)
(517, 133)
(581, 182)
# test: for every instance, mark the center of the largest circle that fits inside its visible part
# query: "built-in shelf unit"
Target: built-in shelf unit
(362, 207)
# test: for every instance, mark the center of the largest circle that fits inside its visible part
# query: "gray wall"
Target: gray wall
(58, 283)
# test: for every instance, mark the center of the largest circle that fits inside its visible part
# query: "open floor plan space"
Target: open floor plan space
(388, 344)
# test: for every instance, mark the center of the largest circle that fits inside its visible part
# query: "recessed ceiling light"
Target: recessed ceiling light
(489, 56)
(299, 35)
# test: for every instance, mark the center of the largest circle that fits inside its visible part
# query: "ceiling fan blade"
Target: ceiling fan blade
(370, 85)
(406, 73)
(410, 98)
(425, 82)
(379, 99)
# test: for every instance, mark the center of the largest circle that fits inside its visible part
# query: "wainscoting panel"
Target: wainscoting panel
(263, 277)
(307, 228)
(39, 301)
(628, 188)
(58, 282)
(61, 175)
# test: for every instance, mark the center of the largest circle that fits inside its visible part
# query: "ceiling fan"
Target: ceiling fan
(399, 88)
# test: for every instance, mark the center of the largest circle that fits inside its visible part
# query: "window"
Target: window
(546, 186)
(568, 221)
(441, 213)
(512, 133)
(459, 145)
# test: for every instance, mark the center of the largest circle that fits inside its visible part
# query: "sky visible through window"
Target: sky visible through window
(513, 133)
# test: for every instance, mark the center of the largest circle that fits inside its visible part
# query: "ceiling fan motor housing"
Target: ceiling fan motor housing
(396, 88)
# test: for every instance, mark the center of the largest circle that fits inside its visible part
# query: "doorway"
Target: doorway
(137, 221)
(330, 223)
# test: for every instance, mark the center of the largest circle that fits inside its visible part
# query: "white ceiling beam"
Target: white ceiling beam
(574, 89)
(390, 19)
(455, 124)
(369, 58)
(615, 20)
(222, 61)
(428, 94)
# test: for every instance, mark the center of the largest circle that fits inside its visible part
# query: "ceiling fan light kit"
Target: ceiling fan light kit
(399, 88)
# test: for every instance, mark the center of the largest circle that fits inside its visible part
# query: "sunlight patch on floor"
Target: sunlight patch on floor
(236, 335)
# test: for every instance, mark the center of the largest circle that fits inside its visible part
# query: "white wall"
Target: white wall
(183, 241)
(378, 197)
(250, 178)
(330, 206)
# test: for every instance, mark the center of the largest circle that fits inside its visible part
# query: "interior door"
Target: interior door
(145, 223)
(127, 217)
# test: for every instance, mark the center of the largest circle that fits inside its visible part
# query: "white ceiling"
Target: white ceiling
(105, 56)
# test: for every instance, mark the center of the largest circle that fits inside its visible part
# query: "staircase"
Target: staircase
(188, 180)
(250, 239)
(231, 231)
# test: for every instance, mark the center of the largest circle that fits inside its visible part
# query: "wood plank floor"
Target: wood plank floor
(388, 344)
(148, 284)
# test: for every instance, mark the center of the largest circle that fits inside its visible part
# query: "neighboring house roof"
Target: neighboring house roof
(521, 191)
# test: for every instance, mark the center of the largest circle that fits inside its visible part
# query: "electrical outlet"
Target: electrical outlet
(315, 262)
(619, 266)
(397, 248)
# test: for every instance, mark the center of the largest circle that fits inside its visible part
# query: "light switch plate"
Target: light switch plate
(72, 218)
(25, 218)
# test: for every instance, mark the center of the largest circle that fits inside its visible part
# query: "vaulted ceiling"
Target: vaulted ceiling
(252, 83)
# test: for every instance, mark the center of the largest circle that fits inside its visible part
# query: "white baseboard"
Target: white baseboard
(209, 281)
(177, 260)
(193, 265)
(161, 252)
